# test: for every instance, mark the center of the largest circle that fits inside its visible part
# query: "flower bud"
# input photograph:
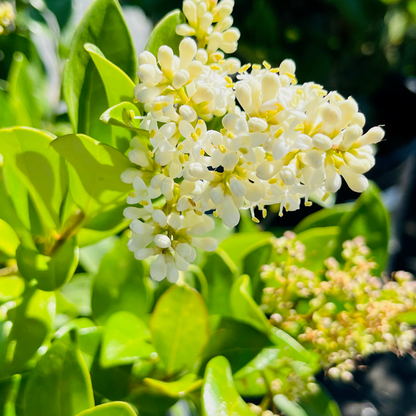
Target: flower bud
(257, 125)
(160, 217)
(203, 94)
(180, 79)
(158, 269)
(351, 135)
(187, 52)
(356, 182)
(133, 213)
(374, 135)
(146, 73)
(230, 213)
(184, 30)
(187, 113)
(143, 253)
(186, 251)
(287, 66)
(313, 158)
(322, 141)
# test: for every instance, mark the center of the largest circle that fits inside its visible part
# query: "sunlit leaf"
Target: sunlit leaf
(29, 158)
(122, 115)
(180, 336)
(288, 407)
(118, 87)
(110, 409)
(94, 174)
(8, 240)
(164, 33)
(176, 389)
(219, 395)
(125, 339)
(102, 25)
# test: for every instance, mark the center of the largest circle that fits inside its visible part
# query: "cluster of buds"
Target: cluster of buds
(344, 313)
(282, 143)
(7, 16)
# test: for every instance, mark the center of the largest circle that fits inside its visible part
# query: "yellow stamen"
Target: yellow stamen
(243, 150)
(255, 220)
(222, 148)
(152, 133)
(256, 66)
(295, 101)
(198, 212)
(186, 157)
(180, 147)
(272, 181)
(223, 131)
(144, 203)
(157, 107)
(266, 65)
(278, 133)
(274, 70)
(192, 202)
(308, 203)
(229, 80)
(279, 107)
(198, 131)
(215, 214)
(326, 196)
(231, 135)
(290, 75)
(269, 158)
(201, 152)
(244, 68)
(300, 127)
(181, 158)
(131, 114)
(264, 213)
(194, 136)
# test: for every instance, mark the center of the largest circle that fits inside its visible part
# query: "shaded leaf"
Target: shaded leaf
(244, 308)
(51, 272)
(110, 409)
(288, 407)
(60, 384)
(320, 404)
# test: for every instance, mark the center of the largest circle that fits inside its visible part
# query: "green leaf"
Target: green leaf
(102, 25)
(125, 339)
(164, 33)
(94, 174)
(320, 404)
(226, 340)
(11, 287)
(118, 87)
(329, 217)
(22, 94)
(370, 219)
(176, 389)
(110, 409)
(249, 380)
(220, 272)
(320, 243)
(7, 115)
(258, 255)
(219, 395)
(179, 336)
(8, 240)
(239, 245)
(51, 272)
(120, 285)
(78, 293)
(30, 323)
(288, 407)
(244, 308)
(90, 257)
(121, 116)
(292, 349)
(29, 158)
(60, 383)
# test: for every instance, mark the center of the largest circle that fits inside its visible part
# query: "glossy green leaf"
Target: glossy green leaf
(122, 115)
(88, 236)
(320, 404)
(22, 94)
(9, 389)
(78, 293)
(243, 306)
(110, 409)
(7, 115)
(220, 272)
(329, 217)
(239, 245)
(219, 395)
(288, 407)
(94, 174)
(196, 278)
(29, 158)
(320, 244)
(249, 381)
(125, 339)
(8, 240)
(370, 219)
(118, 87)
(291, 348)
(164, 33)
(227, 340)
(51, 272)
(120, 285)
(176, 389)
(102, 25)
(11, 287)
(60, 384)
(179, 336)
(29, 325)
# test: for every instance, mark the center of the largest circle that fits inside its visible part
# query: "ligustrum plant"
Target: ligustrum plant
(161, 161)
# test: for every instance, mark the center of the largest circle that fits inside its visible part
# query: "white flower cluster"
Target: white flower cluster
(284, 143)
